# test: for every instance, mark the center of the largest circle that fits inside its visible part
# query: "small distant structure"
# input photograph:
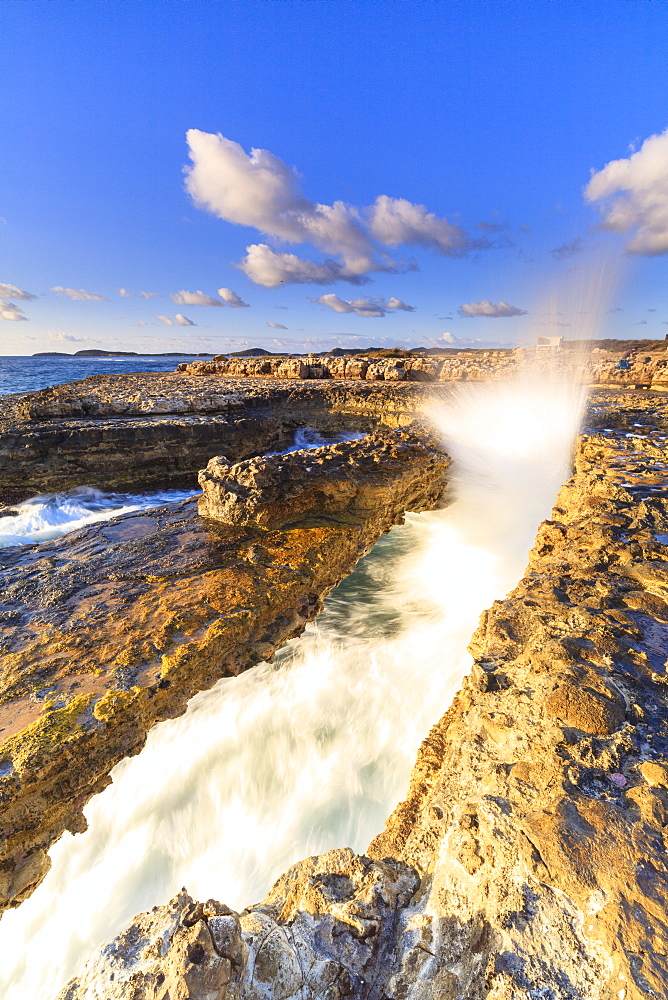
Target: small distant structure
(549, 343)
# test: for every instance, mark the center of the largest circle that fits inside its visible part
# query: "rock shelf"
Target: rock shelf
(529, 858)
(156, 430)
(121, 432)
(644, 371)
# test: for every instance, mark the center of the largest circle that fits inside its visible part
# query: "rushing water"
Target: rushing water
(314, 751)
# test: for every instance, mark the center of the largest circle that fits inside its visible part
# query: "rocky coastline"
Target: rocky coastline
(120, 432)
(528, 859)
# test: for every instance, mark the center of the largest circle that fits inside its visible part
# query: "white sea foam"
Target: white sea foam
(45, 517)
(313, 752)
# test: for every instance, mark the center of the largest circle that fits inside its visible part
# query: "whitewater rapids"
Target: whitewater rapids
(314, 751)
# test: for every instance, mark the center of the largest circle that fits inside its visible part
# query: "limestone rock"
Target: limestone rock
(326, 929)
(352, 478)
(121, 432)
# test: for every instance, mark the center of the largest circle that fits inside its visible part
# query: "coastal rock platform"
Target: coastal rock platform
(150, 431)
(529, 860)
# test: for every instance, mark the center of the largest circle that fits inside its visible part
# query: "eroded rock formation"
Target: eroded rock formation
(121, 432)
(532, 840)
(113, 627)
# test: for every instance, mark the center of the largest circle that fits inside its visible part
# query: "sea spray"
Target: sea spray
(312, 752)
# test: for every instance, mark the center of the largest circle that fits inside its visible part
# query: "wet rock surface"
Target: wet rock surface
(529, 858)
(113, 627)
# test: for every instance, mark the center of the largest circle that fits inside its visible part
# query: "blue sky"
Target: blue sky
(424, 161)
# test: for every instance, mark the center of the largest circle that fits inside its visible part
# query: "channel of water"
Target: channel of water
(315, 750)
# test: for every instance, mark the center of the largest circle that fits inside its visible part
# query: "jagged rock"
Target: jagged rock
(120, 432)
(537, 806)
(109, 629)
(326, 929)
(353, 478)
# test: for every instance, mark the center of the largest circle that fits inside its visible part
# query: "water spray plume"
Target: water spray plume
(312, 752)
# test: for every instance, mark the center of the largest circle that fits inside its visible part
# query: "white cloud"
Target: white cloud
(125, 294)
(12, 292)
(70, 338)
(79, 294)
(231, 299)
(634, 196)
(10, 311)
(396, 220)
(260, 190)
(490, 309)
(184, 298)
(272, 268)
(393, 303)
(449, 340)
(276, 326)
(365, 306)
(179, 320)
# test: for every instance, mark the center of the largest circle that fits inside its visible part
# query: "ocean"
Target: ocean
(28, 374)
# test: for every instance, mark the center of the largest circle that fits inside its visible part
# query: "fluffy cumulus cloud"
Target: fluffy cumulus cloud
(393, 221)
(179, 320)
(12, 292)
(272, 268)
(276, 326)
(194, 299)
(393, 303)
(79, 294)
(10, 311)
(492, 310)
(261, 191)
(231, 299)
(365, 306)
(633, 196)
